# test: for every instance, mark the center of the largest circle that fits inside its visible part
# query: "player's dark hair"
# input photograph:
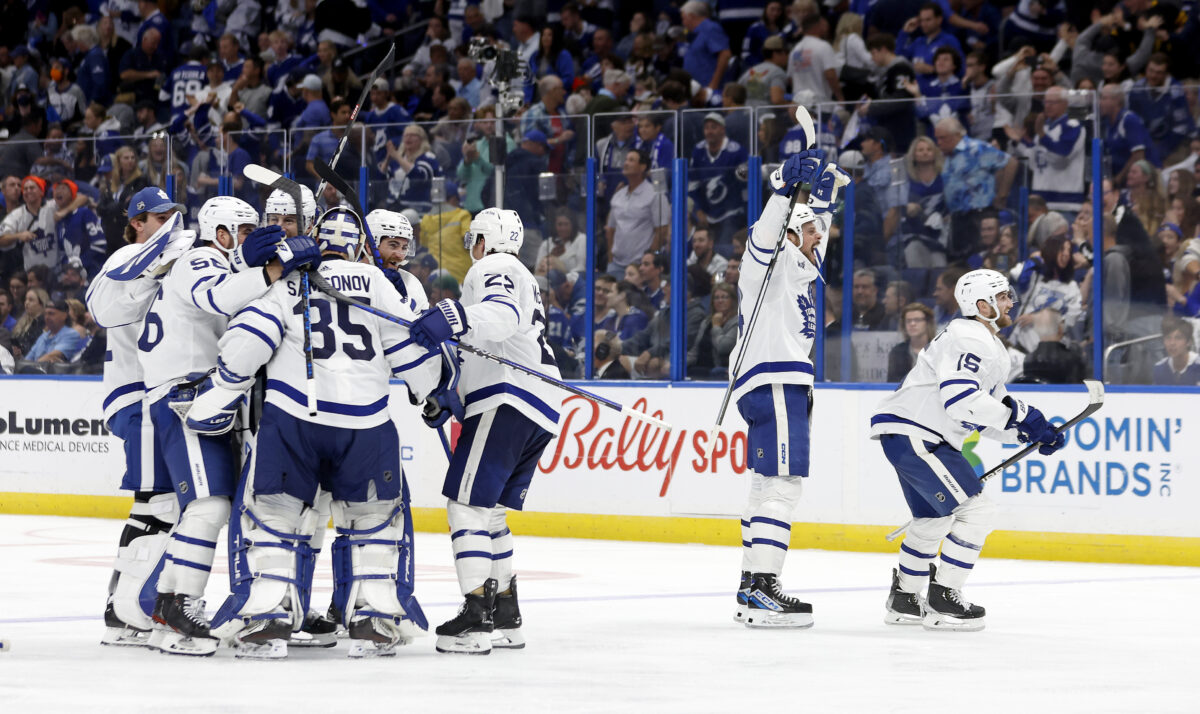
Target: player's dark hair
(882, 41)
(935, 8)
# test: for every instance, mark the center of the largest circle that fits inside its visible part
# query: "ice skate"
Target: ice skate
(945, 609)
(379, 636)
(743, 598)
(317, 631)
(180, 626)
(768, 606)
(506, 620)
(121, 634)
(903, 608)
(263, 639)
(470, 632)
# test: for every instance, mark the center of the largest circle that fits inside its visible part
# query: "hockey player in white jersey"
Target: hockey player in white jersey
(350, 449)
(773, 388)
(393, 236)
(280, 210)
(955, 388)
(237, 263)
(510, 418)
(118, 299)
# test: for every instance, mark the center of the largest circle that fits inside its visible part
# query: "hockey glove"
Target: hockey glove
(1031, 425)
(798, 169)
(444, 321)
(260, 246)
(298, 252)
(213, 412)
(825, 188)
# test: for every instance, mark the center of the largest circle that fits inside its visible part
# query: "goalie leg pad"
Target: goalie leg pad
(140, 557)
(771, 523)
(471, 542)
(193, 546)
(960, 550)
(918, 551)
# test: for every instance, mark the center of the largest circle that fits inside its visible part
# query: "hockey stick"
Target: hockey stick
(321, 284)
(805, 121)
(267, 177)
(342, 186)
(1095, 390)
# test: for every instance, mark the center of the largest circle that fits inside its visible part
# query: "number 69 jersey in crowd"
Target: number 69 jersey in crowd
(955, 388)
(354, 353)
(505, 317)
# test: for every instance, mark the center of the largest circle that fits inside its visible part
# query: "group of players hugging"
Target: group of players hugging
(208, 386)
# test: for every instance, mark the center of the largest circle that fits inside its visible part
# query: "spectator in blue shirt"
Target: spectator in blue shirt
(92, 75)
(978, 26)
(60, 341)
(970, 177)
(1126, 140)
(152, 18)
(708, 54)
(324, 144)
(144, 66)
(551, 57)
(771, 24)
(1159, 100)
(1181, 366)
(231, 59)
(316, 111)
(943, 92)
(286, 103)
(920, 48)
(80, 232)
(719, 195)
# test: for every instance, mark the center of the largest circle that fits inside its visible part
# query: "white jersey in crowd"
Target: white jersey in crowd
(189, 315)
(119, 306)
(956, 387)
(45, 249)
(1043, 294)
(354, 353)
(779, 347)
(504, 317)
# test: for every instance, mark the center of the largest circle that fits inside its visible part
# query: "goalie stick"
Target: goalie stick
(321, 284)
(1095, 390)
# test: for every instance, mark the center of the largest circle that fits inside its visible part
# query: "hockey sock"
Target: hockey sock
(962, 546)
(771, 523)
(918, 550)
(471, 543)
(502, 548)
(752, 504)
(193, 546)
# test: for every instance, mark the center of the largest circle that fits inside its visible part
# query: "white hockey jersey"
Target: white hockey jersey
(354, 353)
(119, 306)
(45, 248)
(189, 315)
(778, 349)
(416, 299)
(505, 317)
(956, 387)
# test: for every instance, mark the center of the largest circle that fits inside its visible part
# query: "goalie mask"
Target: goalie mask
(231, 214)
(385, 225)
(280, 203)
(339, 231)
(500, 230)
(982, 285)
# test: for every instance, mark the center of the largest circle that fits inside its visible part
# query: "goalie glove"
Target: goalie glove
(446, 320)
(158, 253)
(801, 168)
(213, 412)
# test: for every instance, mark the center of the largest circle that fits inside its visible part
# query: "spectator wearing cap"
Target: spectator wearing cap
(23, 73)
(717, 182)
(411, 168)
(546, 117)
(708, 54)
(704, 255)
(611, 152)
(423, 266)
(523, 166)
(316, 112)
(977, 176)
(467, 84)
(72, 283)
(58, 342)
(766, 82)
(79, 231)
(31, 227)
(923, 35)
(442, 230)
(1181, 366)
(92, 73)
(383, 110)
(249, 90)
(341, 81)
(639, 218)
(893, 75)
(812, 64)
(526, 37)
(600, 60)
(1159, 99)
(143, 67)
(152, 18)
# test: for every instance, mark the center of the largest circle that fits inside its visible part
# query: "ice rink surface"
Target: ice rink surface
(631, 627)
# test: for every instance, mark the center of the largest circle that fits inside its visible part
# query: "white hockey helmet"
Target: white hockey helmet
(801, 213)
(280, 203)
(229, 213)
(339, 230)
(982, 285)
(500, 230)
(390, 224)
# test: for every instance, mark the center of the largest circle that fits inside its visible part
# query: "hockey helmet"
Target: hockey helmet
(500, 230)
(340, 231)
(281, 203)
(983, 285)
(229, 213)
(801, 213)
(385, 224)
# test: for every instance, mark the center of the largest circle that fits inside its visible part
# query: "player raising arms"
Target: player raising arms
(349, 449)
(510, 418)
(393, 235)
(773, 387)
(955, 388)
(177, 348)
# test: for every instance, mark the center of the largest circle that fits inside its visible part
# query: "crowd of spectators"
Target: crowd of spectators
(967, 126)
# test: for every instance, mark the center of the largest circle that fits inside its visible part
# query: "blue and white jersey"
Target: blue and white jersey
(955, 388)
(505, 317)
(661, 150)
(80, 235)
(44, 249)
(126, 18)
(1059, 164)
(354, 353)
(1166, 114)
(189, 314)
(413, 188)
(778, 349)
(119, 306)
(1124, 136)
(396, 119)
(713, 183)
(188, 79)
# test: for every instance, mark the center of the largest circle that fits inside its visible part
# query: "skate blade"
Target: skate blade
(508, 639)
(937, 622)
(767, 619)
(125, 637)
(899, 618)
(362, 649)
(739, 615)
(269, 650)
(473, 643)
(308, 639)
(174, 643)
